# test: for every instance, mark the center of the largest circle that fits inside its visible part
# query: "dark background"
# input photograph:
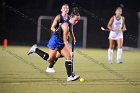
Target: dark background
(18, 19)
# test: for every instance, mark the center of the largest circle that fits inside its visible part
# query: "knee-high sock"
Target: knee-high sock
(68, 65)
(52, 63)
(119, 53)
(110, 54)
(42, 54)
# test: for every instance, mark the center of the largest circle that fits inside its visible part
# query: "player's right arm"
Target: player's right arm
(109, 26)
(65, 28)
(55, 21)
(124, 26)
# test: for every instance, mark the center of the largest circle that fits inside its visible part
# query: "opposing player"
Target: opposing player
(59, 19)
(58, 43)
(117, 27)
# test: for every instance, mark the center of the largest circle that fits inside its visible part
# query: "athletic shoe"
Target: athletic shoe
(32, 49)
(50, 70)
(73, 74)
(73, 78)
(118, 61)
(109, 62)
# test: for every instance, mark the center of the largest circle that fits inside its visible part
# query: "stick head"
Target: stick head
(102, 28)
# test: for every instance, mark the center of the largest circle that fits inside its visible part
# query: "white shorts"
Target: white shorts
(115, 35)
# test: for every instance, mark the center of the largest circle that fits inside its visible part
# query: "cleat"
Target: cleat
(73, 78)
(73, 74)
(118, 61)
(109, 62)
(32, 49)
(50, 70)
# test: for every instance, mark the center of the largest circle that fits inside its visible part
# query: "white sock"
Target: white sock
(119, 54)
(110, 54)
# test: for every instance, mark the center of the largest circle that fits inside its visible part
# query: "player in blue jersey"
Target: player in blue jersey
(59, 19)
(59, 43)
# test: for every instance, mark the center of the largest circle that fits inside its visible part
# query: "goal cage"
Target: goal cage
(138, 44)
(44, 32)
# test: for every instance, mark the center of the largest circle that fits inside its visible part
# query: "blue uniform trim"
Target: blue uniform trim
(62, 19)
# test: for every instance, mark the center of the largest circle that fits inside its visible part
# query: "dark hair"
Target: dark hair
(75, 11)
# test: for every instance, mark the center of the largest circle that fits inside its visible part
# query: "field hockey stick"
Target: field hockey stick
(103, 29)
(72, 57)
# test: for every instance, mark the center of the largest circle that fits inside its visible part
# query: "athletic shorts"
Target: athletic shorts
(115, 35)
(55, 42)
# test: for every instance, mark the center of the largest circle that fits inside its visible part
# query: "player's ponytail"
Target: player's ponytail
(75, 11)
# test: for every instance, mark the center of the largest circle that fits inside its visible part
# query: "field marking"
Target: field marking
(113, 72)
(54, 82)
(131, 82)
(32, 65)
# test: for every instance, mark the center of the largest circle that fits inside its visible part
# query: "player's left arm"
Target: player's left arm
(124, 26)
(55, 21)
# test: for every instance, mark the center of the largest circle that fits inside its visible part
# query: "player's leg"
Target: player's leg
(110, 50)
(57, 56)
(71, 50)
(50, 68)
(119, 50)
(35, 49)
(52, 55)
(68, 64)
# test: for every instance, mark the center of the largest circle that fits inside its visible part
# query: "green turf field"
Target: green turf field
(20, 73)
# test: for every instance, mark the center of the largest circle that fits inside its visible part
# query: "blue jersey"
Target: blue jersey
(57, 36)
(56, 40)
(62, 20)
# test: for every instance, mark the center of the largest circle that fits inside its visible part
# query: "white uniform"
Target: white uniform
(117, 27)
